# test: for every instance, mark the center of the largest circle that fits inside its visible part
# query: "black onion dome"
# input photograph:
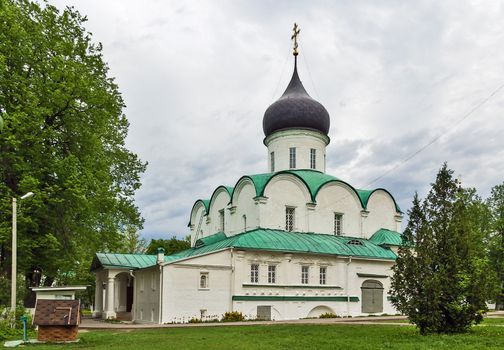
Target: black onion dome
(295, 109)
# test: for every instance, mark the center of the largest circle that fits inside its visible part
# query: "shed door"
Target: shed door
(372, 296)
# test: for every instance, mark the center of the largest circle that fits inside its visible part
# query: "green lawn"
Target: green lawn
(488, 336)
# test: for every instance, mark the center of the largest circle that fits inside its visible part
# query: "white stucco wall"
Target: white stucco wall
(283, 191)
(289, 284)
(183, 298)
(303, 141)
(336, 197)
(146, 295)
(382, 213)
(243, 204)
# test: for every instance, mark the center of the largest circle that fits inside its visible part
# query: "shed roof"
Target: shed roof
(387, 238)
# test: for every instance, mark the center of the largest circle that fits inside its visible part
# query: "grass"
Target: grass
(292, 337)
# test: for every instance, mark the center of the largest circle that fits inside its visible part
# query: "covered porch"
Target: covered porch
(115, 287)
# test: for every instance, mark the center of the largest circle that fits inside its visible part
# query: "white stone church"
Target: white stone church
(291, 243)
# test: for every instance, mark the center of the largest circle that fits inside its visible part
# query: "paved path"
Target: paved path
(91, 324)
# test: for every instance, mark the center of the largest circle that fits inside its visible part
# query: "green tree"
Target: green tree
(63, 138)
(170, 246)
(441, 277)
(496, 241)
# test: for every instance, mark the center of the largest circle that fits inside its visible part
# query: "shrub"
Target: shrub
(8, 318)
(195, 320)
(329, 315)
(233, 316)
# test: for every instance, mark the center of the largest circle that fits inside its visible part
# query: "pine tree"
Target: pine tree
(442, 282)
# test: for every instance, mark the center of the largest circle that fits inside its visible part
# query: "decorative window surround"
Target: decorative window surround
(298, 286)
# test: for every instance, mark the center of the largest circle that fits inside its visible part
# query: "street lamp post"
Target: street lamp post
(14, 249)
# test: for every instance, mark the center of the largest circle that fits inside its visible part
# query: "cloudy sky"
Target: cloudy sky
(197, 77)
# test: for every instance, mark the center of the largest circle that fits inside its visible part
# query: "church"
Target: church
(293, 242)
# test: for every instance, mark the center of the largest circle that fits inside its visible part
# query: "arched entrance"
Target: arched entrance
(372, 296)
(320, 310)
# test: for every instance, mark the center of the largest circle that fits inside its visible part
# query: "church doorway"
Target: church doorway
(372, 297)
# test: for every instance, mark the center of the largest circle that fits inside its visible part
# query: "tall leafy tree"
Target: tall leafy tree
(64, 139)
(170, 246)
(441, 278)
(496, 241)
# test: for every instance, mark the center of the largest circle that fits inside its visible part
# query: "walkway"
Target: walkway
(90, 323)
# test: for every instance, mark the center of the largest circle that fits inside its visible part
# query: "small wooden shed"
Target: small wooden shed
(57, 320)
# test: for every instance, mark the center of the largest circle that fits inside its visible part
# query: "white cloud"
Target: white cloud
(198, 76)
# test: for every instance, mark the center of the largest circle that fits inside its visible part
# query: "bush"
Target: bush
(329, 315)
(8, 318)
(195, 320)
(234, 316)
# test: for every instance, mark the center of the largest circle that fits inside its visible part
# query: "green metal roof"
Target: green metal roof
(386, 237)
(128, 261)
(259, 239)
(219, 236)
(295, 242)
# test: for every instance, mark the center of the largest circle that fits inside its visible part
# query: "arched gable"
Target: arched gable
(366, 196)
(196, 206)
(221, 190)
(352, 191)
(293, 178)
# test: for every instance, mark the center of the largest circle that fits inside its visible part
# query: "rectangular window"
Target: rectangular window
(304, 274)
(292, 157)
(272, 160)
(289, 218)
(338, 224)
(221, 220)
(254, 273)
(323, 273)
(203, 283)
(272, 274)
(313, 157)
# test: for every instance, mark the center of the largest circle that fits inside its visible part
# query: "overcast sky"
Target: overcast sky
(197, 77)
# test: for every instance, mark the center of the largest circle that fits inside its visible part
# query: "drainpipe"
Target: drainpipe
(347, 286)
(160, 261)
(161, 293)
(231, 284)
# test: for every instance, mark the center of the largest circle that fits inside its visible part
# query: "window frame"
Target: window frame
(290, 218)
(313, 158)
(204, 276)
(292, 157)
(254, 273)
(338, 224)
(222, 220)
(272, 278)
(323, 275)
(305, 274)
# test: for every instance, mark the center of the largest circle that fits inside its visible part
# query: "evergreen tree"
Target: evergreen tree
(442, 282)
(496, 241)
(170, 246)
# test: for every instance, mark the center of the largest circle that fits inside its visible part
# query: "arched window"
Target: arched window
(203, 280)
(244, 222)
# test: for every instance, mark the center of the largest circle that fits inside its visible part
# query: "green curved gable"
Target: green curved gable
(386, 237)
(314, 180)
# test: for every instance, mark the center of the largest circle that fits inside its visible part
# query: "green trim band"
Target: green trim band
(292, 298)
(371, 275)
(302, 286)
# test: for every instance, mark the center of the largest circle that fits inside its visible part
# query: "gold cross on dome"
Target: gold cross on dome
(295, 33)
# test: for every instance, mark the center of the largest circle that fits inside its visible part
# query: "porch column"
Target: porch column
(109, 311)
(98, 303)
